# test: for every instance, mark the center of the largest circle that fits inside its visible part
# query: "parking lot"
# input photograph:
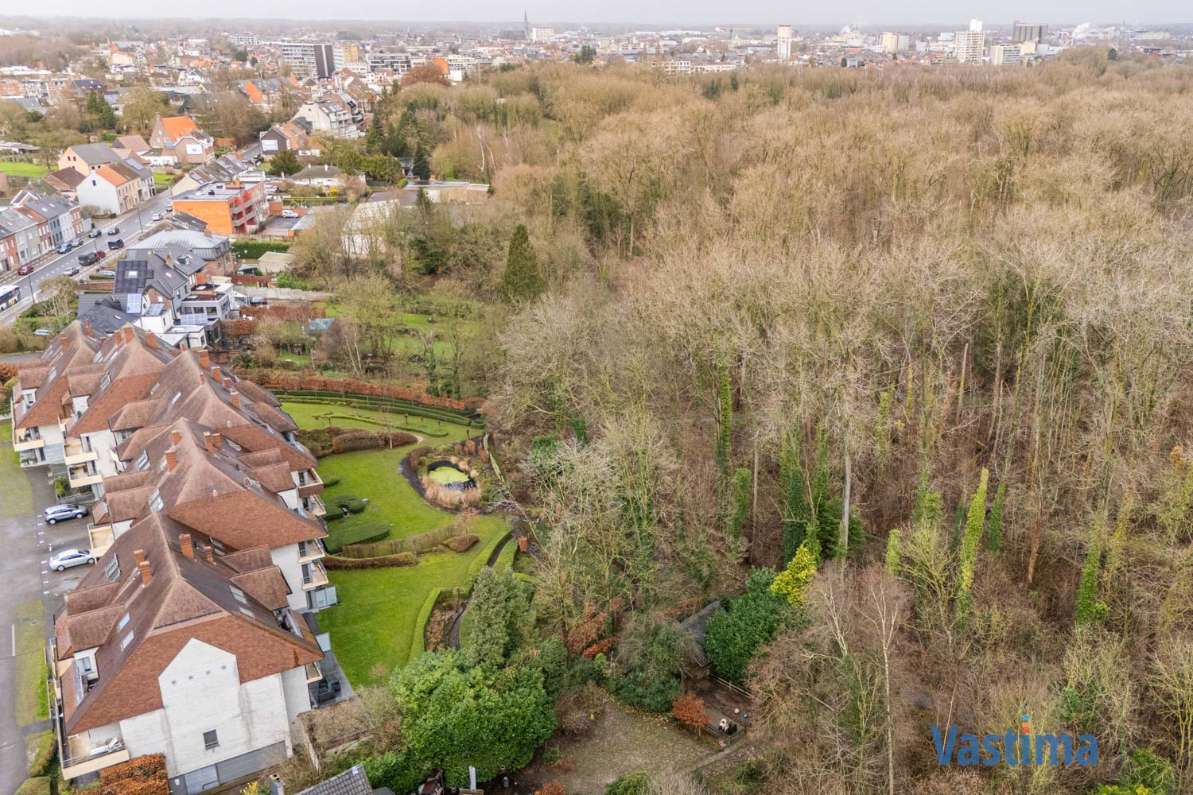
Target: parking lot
(32, 593)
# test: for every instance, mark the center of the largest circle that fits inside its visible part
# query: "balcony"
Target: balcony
(78, 452)
(314, 505)
(314, 672)
(309, 483)
(82, 475)
(28, 439)
(310, 550)
(313, 576)
(81, 756)
(32, 459)
(100, 537)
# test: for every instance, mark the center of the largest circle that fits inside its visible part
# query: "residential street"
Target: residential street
(28, 543)
(133, 226)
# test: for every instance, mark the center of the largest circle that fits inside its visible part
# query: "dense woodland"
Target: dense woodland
(929, 328)
(894, 363)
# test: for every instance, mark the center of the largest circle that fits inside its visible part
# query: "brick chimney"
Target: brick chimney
(128, 333)
(175, 437)
(188, 546)
(139, 556)
(227, 382)
(208, 442)
(204, 359)
(217, 439)
(215, 373)
(87, 327)
(145, 574)
(171, 460)
(235, 399)
(209, 553)
(150, 339)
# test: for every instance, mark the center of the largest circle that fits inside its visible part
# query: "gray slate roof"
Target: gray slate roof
(352, 781)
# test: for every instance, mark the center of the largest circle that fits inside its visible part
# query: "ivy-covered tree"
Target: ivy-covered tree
(521, 280)
(792, 583)
(740, 512)
(284, 163)
(975, 523)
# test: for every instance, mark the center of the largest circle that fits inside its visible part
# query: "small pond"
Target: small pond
(448, 474)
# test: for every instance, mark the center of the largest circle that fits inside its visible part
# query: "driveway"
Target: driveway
(28, 543)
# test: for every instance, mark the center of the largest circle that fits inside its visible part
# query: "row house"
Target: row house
(56, 220)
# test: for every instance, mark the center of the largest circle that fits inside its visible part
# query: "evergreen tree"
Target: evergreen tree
(422, 165)
(522, 280)
(284, 162)
(975, 523)
(496, 607)
(796, 511)
(99, 109)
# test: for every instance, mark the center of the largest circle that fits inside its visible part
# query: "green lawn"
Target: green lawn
(31, 170)
(163, 179)
(372, 629)
(32, 703)
(16, 496)
(313, 415)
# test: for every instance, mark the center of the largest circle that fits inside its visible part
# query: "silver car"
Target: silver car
(68, 558)
(60, 513)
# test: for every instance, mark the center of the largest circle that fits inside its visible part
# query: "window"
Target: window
(174, 399)
(247, 612)
(155, 501)
(123, 622)
(211, 740)
(112, 569)
(238, 594)
(105, 382)
(127, 639)
(142, 460)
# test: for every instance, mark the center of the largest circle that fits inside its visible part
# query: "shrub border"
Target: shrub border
(418, 643)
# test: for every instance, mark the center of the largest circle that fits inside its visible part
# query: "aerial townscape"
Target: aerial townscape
(644, 407)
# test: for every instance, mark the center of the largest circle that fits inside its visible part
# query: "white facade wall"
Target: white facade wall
(94, 191)
(298, 696)
(201, 692)
(286, 559)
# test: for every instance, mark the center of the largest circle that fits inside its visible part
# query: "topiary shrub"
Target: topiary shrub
(361, 534)
(353, 503)
(389, 561)
(462, 543)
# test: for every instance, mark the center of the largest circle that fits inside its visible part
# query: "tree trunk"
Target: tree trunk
(843, 539)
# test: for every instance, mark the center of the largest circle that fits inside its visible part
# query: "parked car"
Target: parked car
(289, 214)
(113, 230)
(60, 513)
(100, 254)
(115, 244)
(73, 270)
(157, 217)
(97, 232)
(71, 557)
(65, 247)
(169, 207)
(88, 259)
(24, 270)
(258, 301)
(111, 274)
(43, 332)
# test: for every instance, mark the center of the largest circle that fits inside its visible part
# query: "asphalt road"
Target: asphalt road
(133, 226)
(24, 569)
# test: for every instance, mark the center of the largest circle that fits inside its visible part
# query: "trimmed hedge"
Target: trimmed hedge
(389, 561)
(418, 544)
(396, 407)
(253, 249)
(337, 503)
(479, 562)
(38, 785)
(462, 543)
(372, 531)
(419, 644)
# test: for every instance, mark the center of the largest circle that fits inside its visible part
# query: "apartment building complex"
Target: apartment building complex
(187, 637)
(309, 59)
(231, 208)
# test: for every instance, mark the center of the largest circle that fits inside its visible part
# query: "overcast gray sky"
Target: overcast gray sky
(665, 12)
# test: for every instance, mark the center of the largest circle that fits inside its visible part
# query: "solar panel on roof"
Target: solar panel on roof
(134, 304)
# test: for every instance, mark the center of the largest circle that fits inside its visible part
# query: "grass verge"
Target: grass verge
(16, 496)
(32, 701)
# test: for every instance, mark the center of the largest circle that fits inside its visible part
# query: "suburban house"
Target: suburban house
(178, 137)
(115, 188)
(193, 252)
(231, 208)
(226, 168)
(321, 176)
(331, 115)
(65, 182)
(131, 145)
(85, 158)
(291, 136)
